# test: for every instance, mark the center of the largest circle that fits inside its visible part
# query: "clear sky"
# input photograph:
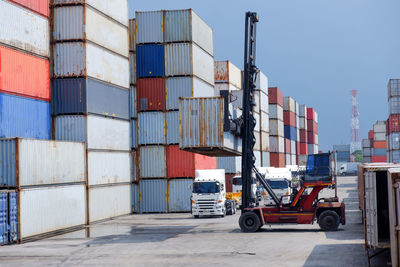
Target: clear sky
(315, 51)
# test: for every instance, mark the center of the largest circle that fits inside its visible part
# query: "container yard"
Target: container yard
(130, 128)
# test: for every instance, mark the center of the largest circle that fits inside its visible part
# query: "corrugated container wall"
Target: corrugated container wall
(153, 196)
(172, 129)
(150, 61)
(24, 117)
(151, 128)
(133, 102)
(24, 74)
(151, 156)
(149, 27)
(4, 239)
(134, 134)
(151, 94)
(179, 195)
(27, 162)
(30, 32)
(135, 198)
(38, 6)
(226, 72)
(132, 68)
(132, 35)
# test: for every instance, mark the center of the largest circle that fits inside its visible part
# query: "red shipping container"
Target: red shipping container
(394, 124)
(310, 137)
(378, 159)
(287, 146)
(182, 164)
(387, 127)
(151, 94)
(275, 96)
(289, 118)
(38, 6)
(303, 149)
(312, 126)
(24, 74)
(297, 148)
(310, 114)
(379, 144)
(371, 135)
(228, 182)
(277, 160)
(303, 135)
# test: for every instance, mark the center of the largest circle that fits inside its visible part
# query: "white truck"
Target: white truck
(279, 179)
(209, 194)
(349, 168)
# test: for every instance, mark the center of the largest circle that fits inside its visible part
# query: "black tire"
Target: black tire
(249, 222)
(196, 216)
(329, 220)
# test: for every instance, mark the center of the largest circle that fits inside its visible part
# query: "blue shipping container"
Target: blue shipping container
(290, 132)
(179, 195)
(379, 152)
(135, 199)
(3, 217)
(13, 216)
(172, 118)
(150, 60)
(132, 102)
(24, 117)
(153, 196)
(134, 134)
(83, 96)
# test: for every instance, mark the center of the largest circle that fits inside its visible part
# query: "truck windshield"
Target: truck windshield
(237, 181)
(205, 187)
(278, 184)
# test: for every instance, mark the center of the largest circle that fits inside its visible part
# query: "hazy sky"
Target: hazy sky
(315, 51)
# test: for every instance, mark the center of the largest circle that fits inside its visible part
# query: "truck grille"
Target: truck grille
(206, 203)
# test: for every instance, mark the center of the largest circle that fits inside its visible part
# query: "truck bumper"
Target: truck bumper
(208, 212)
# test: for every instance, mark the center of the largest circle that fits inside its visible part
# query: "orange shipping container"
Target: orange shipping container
(24, 74)
(39, 6)
(182, 164)
(379, 144)
(277, 160)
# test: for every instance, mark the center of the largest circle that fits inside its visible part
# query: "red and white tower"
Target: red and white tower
(355, 142)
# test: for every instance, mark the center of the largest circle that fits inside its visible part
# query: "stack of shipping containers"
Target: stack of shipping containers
(303, 152)
(290, 131)
(174, 58)
(91, 97)
(342, 153)
(39, 179)
(378, 142)
(312, 131)
(262, 119)
(296, 159)
(393, 122)
(276, 127)
(366, 151)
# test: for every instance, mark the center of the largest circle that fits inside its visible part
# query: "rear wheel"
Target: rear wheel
(249, 222)
(329, 220)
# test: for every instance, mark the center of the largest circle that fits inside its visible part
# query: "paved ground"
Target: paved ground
(180, 240)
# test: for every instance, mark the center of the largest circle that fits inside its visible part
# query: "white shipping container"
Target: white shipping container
(293, 146)
(262, 99)
(106, 202)
(380, 136)
(24, 29)
(264, 122)
(228, 73)
(289, 104)
(302, 123)
(28, 162)
(85, 23)
(108, 167)
(116, 9)
(226, 86)
(262, 83)
(380, 127)
(275, 111)
(276, 144)
(288, 159)
(47, 209)
(257, 145)
(276, 127)
(293, 159)
(98, 132)
(257, 117)
(188, 59)
(257, 155)
(264, 141)
(77, 59)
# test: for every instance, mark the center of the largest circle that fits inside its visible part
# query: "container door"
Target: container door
(394, 216)
(370, 209)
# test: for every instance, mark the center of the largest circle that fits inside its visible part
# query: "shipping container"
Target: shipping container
(151, 94)
(302, 123)
(290, 133)
(312, 126)
(262, 83)
(226, 87)
(49, 209)
(289, 118)
(393, 141)
(394, 156)
(276, 144)
(89, 96)
(276, 127)
(289, 104)
(24, 74)
(394, 214)
(84, 23)
(380, 136)
(132, 35)
(293, 159)
(393, 87)
(303, 111)
(379, 152)
(225, 72)
(264, 120)
(172, 127)
(277, 160)
(264, 141)
(182, 164)
(4, 236)
(109, 201)
(132, 68)
(312, 149)
(134, 165)
(275, 96)
(288, 147)
(303, 149)
(186, 59)
(150, 61)
(380, 127)
(29, 162)
(394, 124)
(293, 147)
(275, 111)
(265, 159)
(24, 117)
(303, 136)
(150, 156)
(135, 198)
(262, 104)
(179, 195)
(153, 196)
(379, 144)
(230, 164)
(394, 105)
(302, 160)
(342, 148)
(228, 182)
(365, 143)
(134, 134)
(98, 132)
(108, 167)
(116, 9)
(133, 102)
(311, 138)
(79, 59)
(41, 7)
(366, 152)
(149, 27)
(378, 158)
(311, 114)
(151, 128)
(30, 32)
(201, 127)
(257, 155)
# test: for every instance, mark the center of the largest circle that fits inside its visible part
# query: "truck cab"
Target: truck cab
(209, 193)
(237, 186)
(279, 179)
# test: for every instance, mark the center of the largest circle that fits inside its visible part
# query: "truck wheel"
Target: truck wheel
(249, 222)
(329, 220)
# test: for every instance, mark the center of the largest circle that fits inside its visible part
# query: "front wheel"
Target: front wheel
(249, 222)
(329, 220)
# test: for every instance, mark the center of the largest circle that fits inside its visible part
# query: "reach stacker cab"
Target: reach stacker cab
(303, 206)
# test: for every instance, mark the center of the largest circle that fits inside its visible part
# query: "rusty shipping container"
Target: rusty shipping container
(226, 72)
(151, 94)
(132, 35)
(150, 156)
(24, 74)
